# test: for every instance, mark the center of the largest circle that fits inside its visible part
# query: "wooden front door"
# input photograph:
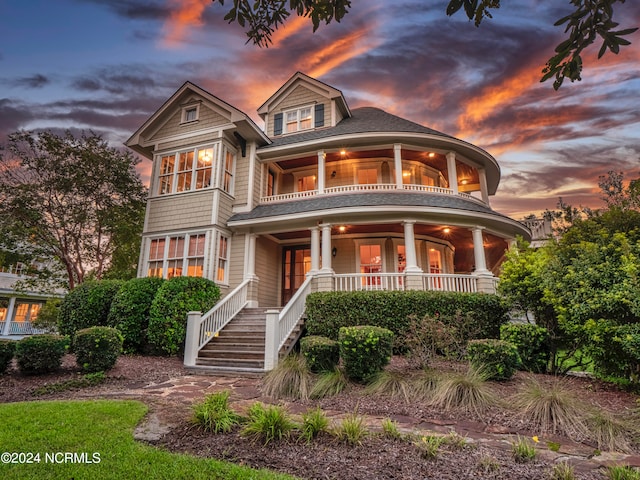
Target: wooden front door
(296, 262)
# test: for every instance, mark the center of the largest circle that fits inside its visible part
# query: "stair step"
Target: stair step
(232, 355)
(233, 362)
(242, 345)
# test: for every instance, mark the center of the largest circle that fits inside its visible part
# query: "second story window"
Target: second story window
(271, 183)
(307, 183)
(227, 182)
(299, 119)
(185, 171)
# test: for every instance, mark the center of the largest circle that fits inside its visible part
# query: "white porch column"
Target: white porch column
(315, 250)
(9, 319)
(452, 172)
(410, 247)
(250, 256)
(192, 339)
(326, 248)
(484, 189)
(478, 251)
(321, 172)
(397, 159)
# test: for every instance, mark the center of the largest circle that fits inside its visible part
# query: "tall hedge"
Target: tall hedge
(328, 311)
(87, 305)
(130, 309)
(168, 314)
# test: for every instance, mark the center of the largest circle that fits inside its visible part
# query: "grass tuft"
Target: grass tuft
(390, 429)
(609, 432)
(552, 409)
(214, 414)
(329, 384)
(467, 390)
(622, 472)
(268, 423)
(424, 385)
(562, 471)
(352, 429)
(522, 450)
(390, 383)
(314, 422)
(290, 379)
(429, 446)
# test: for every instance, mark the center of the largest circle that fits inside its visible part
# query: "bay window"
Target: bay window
(177, 255)
(186, 170)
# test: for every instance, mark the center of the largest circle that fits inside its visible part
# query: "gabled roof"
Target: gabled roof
(246, 127)
(300, 78)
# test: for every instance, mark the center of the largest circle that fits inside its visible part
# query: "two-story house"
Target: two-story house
(324, 198)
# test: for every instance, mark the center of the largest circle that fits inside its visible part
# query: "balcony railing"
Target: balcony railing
(374, 187)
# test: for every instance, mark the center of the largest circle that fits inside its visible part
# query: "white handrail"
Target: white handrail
(450, 282)
(215, 319)
(293, 311)
(288, 196)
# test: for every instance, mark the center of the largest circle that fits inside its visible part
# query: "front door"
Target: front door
(296, 262)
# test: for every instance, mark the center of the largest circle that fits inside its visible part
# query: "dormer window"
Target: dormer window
(299, 119)
(190, 113)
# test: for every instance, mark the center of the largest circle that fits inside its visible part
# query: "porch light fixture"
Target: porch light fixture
(342, 228)
(446, 230)
(333, 174)
(431, 154)
(464, 181)
(406, 174)
(343, 152)
(334, 252)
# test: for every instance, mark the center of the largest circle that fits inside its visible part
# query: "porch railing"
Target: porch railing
(373, 187)
(450, 282)
(280, 325)
(21, 328)
(215, 319)
(349, 282)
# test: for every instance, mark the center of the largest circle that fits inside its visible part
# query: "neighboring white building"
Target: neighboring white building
(18, 309)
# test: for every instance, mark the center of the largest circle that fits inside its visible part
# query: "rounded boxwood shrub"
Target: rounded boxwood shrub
(365, 350)
(168, 314)
(321, 353)
(97, 348)
(87, 305)
(497, 359)
(129, 312)
(7, 350)
(41, 353)
(533, 344)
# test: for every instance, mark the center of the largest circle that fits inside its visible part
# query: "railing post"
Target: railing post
(192, 340)
(271, 340)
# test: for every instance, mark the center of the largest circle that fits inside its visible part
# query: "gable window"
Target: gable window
(168, 257)
(223, 252)
(297, 120)
(190, 113)
(186, 170)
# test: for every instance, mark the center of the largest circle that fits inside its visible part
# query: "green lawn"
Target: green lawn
(97, 431)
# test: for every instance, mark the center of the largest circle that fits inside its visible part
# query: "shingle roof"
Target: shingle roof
(327, 202)
(363, 120)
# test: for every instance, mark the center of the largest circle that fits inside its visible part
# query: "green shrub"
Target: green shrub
(129, 312)
(41, 353)
(532, 342)
(268, 423)
(328, 311)
(365, 350)
(321, 353)
(614, 349)
(168, 314)
(97, 348)
(498, 359)
(87, 305)
(314, 422)
(7, 350)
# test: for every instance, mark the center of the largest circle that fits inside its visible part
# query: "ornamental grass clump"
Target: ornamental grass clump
(328, 384)
(622, 472)
(522, 450)
(551, 409)
(268, 423)
(392, 383)
(429, 446)
(352, 430)
(314, 422)
(610, 432)
(390, 429)
(214, 414)
(466, 391)
(290, 379)
(562, 471)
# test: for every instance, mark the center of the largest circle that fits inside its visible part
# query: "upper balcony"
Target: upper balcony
(392, 169)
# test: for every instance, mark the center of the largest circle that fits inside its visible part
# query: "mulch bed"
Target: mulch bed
(327, 458)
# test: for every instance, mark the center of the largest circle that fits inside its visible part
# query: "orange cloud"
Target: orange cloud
(184, 14)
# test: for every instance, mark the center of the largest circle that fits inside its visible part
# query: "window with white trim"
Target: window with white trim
(223, 259)
(298, 119)
(177, 255)
(227, 176)
(186, 170)
(190, 113)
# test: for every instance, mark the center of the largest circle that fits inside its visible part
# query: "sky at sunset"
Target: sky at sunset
(108, 65)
